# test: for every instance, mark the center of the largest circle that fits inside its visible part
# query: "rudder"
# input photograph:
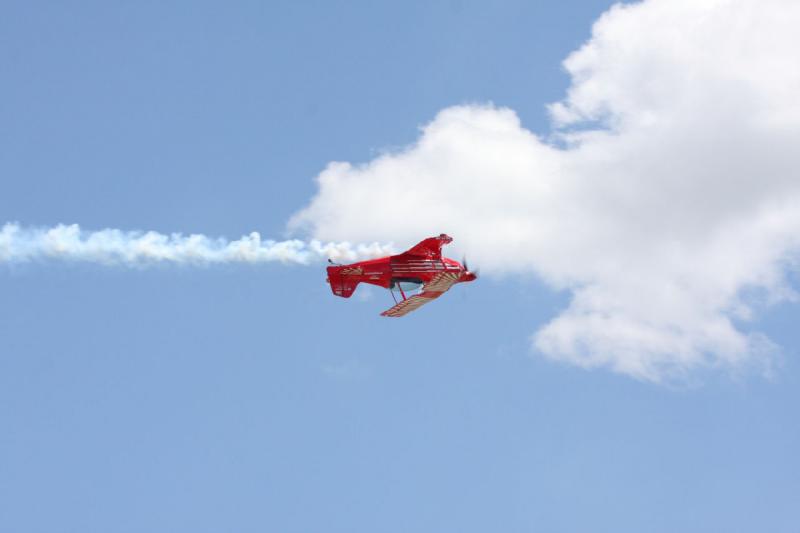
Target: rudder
(342, 282)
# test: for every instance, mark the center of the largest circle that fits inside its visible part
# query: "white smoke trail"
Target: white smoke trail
(135, 248)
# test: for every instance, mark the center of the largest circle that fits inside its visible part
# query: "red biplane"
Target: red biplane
(421, 268)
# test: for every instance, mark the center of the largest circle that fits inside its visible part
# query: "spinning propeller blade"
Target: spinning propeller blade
(466, 267)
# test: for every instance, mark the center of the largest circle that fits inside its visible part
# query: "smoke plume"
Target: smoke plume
(135, 248)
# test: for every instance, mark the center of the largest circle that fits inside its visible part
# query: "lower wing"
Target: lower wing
(440, 284)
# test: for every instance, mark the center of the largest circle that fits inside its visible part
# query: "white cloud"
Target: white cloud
(673, 192)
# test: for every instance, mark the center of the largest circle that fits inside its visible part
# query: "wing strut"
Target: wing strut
(400, 288)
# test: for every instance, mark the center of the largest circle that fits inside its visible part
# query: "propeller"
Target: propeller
(466, 267)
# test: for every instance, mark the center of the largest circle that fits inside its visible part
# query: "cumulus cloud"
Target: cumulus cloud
(132, 248)
(665, 199)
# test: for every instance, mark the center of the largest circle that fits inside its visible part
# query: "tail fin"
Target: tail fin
(343, 282)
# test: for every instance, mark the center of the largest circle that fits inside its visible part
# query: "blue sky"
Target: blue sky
(248, 398)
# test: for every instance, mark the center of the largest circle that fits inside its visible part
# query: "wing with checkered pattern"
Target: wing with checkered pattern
(440, 284)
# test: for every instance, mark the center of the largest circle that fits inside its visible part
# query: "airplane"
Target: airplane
(420, 267)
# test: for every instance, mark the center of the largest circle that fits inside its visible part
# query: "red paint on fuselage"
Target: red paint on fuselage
(419, 264)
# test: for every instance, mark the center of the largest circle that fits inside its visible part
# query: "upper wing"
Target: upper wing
(430, 248)
(435, 288)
